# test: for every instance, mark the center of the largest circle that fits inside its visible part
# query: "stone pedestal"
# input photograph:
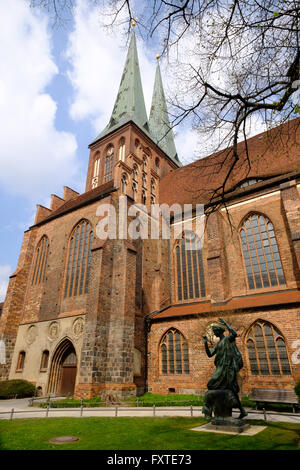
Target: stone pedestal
(220, 403)
(227, 425)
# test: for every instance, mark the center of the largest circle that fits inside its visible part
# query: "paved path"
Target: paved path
(22, 410)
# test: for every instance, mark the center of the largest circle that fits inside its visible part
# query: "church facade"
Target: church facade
(90, 316)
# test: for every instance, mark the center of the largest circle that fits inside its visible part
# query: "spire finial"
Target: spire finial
(134, 21)
(157, 56)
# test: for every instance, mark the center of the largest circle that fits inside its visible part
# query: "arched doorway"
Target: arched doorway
(63, 369)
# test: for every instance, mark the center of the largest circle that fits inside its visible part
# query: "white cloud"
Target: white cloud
(97, 60)
(35, 157)
(5, 272)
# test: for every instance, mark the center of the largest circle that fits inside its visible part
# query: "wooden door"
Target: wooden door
(68, 380)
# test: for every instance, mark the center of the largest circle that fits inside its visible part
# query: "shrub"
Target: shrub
(297, 390)
(16, 388)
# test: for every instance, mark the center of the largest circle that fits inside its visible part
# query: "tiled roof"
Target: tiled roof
(245, 302)
(271, 153)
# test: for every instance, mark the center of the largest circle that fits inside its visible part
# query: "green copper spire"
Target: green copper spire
(160, 128)
(130, 104)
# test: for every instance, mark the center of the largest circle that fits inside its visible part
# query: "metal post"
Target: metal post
(12, 413)
(153, 410)
(116, 411)
(81, 409)
(265, 415)
(47, 412)
(191, 410)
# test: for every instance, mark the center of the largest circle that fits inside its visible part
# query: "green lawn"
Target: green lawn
(138, 434)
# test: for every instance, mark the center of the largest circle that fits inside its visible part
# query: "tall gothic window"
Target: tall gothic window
(79, 260)
(122, 149)
(261, 254)
(189, 267)
(109, 162)
(174, 353)
(267, 352)
(40, 262)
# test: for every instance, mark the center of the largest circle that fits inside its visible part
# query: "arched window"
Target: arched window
(267, 352)
(145, 163)
(21, 361)
(152, 191)
(79, 260)
(124, 182)
(136, 145)
(109, 161)
(144, 180)
(144, 197)
(189, 267)
(174, 353)
(40, 262)
(261, 255)
(122, 149)
(134, 190)
(96, 172)
(135, 172)
(45, 360)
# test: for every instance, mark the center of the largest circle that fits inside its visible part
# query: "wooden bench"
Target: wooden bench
(266, 395)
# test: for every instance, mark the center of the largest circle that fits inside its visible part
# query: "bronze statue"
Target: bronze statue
(228, 362)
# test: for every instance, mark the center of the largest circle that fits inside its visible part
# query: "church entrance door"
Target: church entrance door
(63, 369)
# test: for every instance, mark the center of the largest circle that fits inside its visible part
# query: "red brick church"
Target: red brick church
(90, 316)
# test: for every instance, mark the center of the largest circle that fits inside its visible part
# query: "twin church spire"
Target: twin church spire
(130, 106)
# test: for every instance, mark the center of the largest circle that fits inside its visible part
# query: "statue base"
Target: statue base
(228, 425)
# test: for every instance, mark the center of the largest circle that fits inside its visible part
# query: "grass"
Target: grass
(71, 403)
(139, 434)
(150, 399)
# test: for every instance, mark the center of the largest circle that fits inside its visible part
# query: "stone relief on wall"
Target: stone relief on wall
(78, 326)
(53, 330)
(31, 334)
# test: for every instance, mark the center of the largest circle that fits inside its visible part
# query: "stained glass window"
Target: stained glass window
(40, 262)
(79, 260)
(261, 255)
(174, 353)
(189, 268)
(267, 351)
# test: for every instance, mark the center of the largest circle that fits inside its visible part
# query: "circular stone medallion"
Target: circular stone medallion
(78, 326)
(63, 439)
(31, 334)
(53, 330)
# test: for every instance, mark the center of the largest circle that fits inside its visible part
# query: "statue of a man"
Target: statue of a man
(228, 362)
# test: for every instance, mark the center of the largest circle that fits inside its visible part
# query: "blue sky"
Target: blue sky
(57, 90)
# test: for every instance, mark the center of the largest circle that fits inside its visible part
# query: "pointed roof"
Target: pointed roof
(130, 104)
(159, 122)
